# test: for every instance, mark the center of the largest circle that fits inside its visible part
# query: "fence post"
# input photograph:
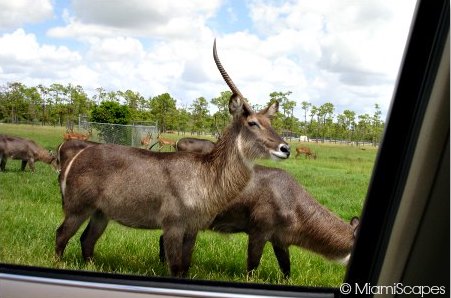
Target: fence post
(133, 134)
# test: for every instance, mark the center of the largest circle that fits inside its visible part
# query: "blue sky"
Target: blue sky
(344, 52)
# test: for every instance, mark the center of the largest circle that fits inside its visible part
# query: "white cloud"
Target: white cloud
(20, 48)
(18, 12)
(116, 13)
(24, 59)
(347, 49)
(84, 76)
(345, 52)
(157, 18)
(117, 49)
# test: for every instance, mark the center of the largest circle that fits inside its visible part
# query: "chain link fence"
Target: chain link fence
(143, 134)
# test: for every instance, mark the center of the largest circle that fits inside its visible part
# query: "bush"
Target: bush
(111, 112)
(115, 113)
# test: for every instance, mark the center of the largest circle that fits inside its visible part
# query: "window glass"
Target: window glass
(143, 76)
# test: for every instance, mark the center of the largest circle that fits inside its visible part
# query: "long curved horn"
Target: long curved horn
(227, 79)
(224, 74)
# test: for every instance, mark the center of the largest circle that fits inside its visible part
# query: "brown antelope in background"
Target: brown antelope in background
(70, 135)
(180, 192)
(23, 149)
(200, 146)
(274, 207)
(164, 142)
(306, 151)
(146, 140)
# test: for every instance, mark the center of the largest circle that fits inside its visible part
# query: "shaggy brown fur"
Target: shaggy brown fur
(68, 149)
(194, 145)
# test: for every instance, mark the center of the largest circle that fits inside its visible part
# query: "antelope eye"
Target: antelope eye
(253, 123)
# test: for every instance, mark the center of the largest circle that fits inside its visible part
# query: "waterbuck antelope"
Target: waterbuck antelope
(200, 146)
(23, 149)
(274, 207)
(178, 192)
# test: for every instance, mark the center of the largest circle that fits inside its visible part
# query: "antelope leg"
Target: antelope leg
(254, 250)
(92, 233)
(67, 229)
(189, 239)
(283, 258)
(161, 252)
(3, 163)
(24, 164)
(173, 244)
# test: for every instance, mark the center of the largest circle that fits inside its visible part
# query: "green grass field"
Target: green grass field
(30, 210)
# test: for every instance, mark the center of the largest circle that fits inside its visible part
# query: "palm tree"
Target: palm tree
(305, 106)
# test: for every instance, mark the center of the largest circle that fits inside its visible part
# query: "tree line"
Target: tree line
(61, 105)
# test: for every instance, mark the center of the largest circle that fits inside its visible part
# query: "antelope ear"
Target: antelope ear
(271, 110)
(355, 221)
(238, 106)
(355, 225)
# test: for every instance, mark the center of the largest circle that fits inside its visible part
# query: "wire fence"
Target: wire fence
(144, 134)
(135, 135)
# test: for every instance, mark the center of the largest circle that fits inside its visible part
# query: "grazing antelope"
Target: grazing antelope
(23, 149)
(178, 192)
(274, 207)
(194, 145)
(146, 140)
(77, 136)
(163, 142)
(306, 151)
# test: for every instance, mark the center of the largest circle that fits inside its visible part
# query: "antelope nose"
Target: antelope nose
(285, 149)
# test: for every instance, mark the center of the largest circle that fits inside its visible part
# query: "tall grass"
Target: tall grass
(30, 211)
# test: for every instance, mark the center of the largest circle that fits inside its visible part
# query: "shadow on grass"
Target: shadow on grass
(114, 263)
